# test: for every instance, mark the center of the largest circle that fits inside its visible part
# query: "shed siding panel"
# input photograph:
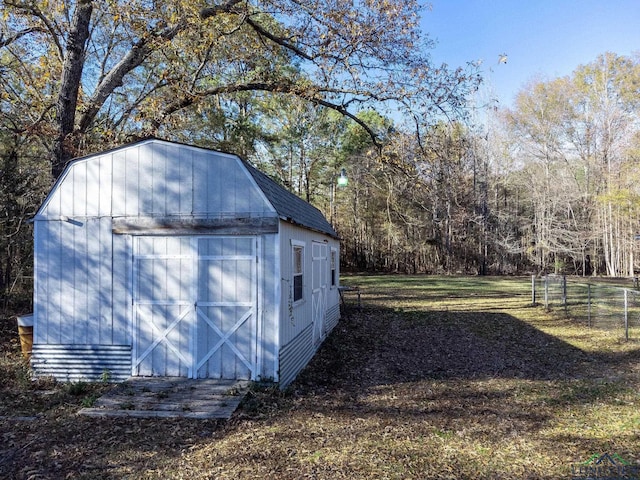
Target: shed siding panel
(101, 286)
(68, 203)
(122, 287)
(118, 183)
(185, 185)
(67, 292)
(333, 316)
(140, 188)
(103, 178)
(229, 188)
(55, 259)
(200, 175)
(247, 198)
(52, 208)
(301, 314)
(74, 295)
(159, 190)
(215, 188)
(42, 292)
(92, 207)
(79, 199)
(83, 269)
(242, 203)
(90, 362)
(54, 297)
(291, 323)
(270, 306)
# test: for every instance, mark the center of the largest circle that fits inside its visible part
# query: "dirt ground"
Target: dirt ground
(435, 383)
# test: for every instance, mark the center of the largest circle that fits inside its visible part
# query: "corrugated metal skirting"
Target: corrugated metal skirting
(333, 316)
(296, 354)
(82, 362)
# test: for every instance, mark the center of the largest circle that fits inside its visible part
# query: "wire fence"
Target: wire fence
(596, 305)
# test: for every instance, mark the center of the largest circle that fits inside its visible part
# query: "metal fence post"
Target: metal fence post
(546, 292)
(533, 290)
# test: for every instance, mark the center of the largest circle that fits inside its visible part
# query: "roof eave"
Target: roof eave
(291, 221)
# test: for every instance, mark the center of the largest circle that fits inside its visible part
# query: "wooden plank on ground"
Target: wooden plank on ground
(167, 398)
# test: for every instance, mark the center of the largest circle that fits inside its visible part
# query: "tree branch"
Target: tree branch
(343, 111)
(32, 9)
(114, 78)
(8, 41)
(277, 40)
(228, 7)
(190, 99)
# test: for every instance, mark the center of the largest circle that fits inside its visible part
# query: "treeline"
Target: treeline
(550, 185)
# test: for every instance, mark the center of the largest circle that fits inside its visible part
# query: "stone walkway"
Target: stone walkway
(170, 397)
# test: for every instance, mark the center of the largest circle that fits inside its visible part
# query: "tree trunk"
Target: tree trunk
(67, 102)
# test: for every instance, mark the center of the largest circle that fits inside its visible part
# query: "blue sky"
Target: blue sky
(542, 38)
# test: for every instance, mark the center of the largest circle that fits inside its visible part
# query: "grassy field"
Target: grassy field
(437, 377)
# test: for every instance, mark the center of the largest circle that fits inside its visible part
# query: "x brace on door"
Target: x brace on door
(163, 337)
(224, 337)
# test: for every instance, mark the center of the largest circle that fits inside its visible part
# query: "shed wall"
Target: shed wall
(83, 282)
(296, 335)
(81, 293)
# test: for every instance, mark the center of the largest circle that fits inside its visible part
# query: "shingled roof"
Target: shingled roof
(290, 207)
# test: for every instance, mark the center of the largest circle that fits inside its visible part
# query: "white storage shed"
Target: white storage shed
(163, 259)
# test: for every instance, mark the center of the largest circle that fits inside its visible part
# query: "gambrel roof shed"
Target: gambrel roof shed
(165, 259)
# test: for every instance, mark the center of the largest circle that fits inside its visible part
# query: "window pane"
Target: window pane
(297, 260)
(297, 288)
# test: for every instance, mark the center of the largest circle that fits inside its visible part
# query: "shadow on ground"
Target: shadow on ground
(382, 347)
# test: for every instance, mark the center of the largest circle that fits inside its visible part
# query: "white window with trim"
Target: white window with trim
(297, 249)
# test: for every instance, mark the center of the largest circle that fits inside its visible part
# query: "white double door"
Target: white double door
(319, 290)
(195, 307)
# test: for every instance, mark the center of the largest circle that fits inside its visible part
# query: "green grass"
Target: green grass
(437, 377)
